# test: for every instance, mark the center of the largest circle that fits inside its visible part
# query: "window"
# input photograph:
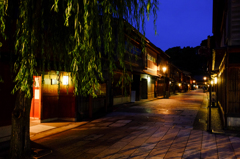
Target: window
(54, 81)
(132, 49)
(65, 80)
(151, 58)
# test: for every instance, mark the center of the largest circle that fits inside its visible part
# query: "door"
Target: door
(160, 85)
(36, 100)
(144, 88)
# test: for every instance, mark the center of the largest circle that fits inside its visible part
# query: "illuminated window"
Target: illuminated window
(65, 80)
(54, 81)
(151, 58)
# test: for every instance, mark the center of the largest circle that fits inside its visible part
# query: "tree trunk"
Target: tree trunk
(20, 139)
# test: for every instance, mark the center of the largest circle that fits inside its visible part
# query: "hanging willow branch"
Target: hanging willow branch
(83, 37)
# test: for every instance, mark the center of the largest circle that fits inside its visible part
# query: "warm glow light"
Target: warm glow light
(215, 80)
(164, 69)
(212, 82)
(65, 80)
(205, 83)
(148, 78)
(205, 78)
(194, 81)
(36, 82)
(179, 84)
(169, 82)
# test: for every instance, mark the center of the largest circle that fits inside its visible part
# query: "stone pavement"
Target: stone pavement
(39, 130)
(163, 128)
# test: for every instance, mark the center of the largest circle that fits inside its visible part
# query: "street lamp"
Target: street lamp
(164, 70)
(204, 78)
(193, 84)
(211, 82)
(164, 86)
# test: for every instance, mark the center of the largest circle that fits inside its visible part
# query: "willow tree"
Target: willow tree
(69, 35)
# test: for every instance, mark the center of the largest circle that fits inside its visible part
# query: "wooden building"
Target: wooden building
(225, 59)
(157, 77)
(54, 98)
(175, 76)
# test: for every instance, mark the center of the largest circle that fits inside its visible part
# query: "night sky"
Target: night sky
(181, 23)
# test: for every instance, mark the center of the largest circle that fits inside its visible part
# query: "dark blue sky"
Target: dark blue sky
(181, 23)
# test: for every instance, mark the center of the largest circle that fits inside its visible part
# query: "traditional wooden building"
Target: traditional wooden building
(175, 76)
(163, 72)
(146, 71)
(156, 71)
(225, 59)
(53, 98)
(186, 81)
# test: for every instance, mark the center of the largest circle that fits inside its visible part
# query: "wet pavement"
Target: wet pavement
(157, 129)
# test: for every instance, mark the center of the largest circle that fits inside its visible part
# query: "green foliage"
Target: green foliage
(77, 36)
(3, 8)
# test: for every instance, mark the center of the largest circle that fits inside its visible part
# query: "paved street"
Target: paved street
(162, 128)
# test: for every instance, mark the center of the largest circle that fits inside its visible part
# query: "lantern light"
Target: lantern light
(65, 80)
(164, 69)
